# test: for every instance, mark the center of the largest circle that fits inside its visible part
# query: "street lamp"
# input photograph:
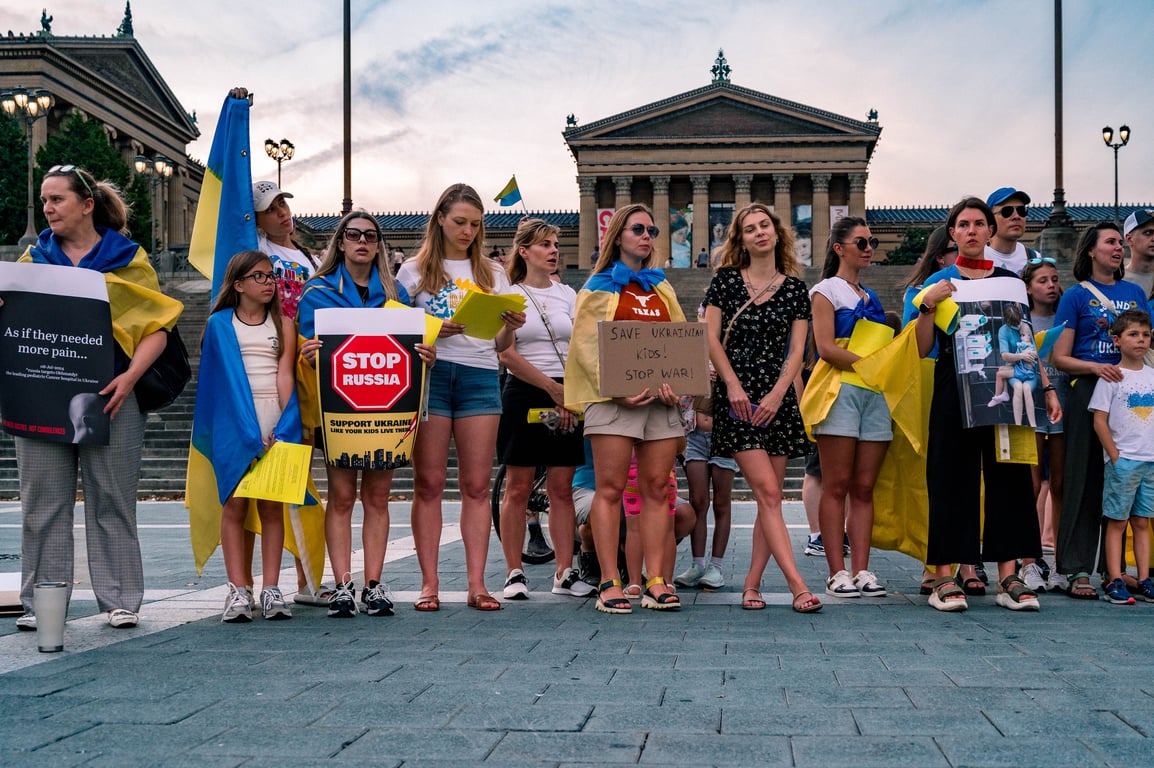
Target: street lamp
(1107, 136)
(29, 106)
(279, 152)
(156, 169)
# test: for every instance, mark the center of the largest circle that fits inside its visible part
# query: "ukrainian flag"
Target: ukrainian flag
(225, 223)
(510, 195)
(226, 439)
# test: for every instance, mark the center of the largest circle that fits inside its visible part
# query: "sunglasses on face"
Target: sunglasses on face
(369, 235)
(862, 243)
(1042, 260)
(66, 169)
(1006, 211)
(260, 278)
(641, 229)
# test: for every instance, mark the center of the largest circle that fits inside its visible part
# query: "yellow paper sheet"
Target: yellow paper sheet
(480, 313)
(280, 475)
(867, 337)
(432, 324)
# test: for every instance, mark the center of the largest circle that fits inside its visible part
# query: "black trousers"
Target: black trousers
(1080, 542)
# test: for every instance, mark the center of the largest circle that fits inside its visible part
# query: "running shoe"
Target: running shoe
(236, 606)
(343, 603)
(273, 606)
(376, 599)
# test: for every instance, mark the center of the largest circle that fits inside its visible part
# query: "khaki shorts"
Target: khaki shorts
(655, 421)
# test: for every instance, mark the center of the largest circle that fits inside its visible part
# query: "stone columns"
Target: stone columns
(782, 203)
(700, 214)
(820, 215)
(661, 216)
(741, 184)
(587, 234)
(624, 189)
(857, 183)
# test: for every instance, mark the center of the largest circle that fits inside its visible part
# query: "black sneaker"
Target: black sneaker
(343, 603)
(375, 598)
(588, 568)
(537, 546)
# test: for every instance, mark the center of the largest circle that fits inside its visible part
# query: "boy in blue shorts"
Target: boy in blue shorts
(1123, 417)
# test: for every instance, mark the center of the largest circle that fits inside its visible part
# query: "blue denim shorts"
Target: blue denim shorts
(457, 391)
(859, 413)
(697, 449)
(1128, 489)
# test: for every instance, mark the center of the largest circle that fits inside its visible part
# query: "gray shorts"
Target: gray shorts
(858, 413)
(582, 503)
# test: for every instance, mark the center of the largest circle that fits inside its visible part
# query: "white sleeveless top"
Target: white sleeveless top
(260, 351)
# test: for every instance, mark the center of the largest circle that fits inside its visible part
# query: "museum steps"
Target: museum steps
(167, 433)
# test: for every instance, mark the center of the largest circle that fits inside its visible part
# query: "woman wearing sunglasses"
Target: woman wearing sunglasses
(354, 273)
(849, 420)
(960, 459)
(464, 393)
(1086, 351)
(87, 226)
(623, 286)
(758, 315)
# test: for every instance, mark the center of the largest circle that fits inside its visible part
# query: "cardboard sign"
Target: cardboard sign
(635, 355)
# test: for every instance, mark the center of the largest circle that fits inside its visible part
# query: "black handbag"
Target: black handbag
(163, 382)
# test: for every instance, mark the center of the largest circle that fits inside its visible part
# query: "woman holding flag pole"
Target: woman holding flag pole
(464, 394)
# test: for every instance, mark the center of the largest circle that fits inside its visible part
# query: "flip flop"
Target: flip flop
(427, 604)
(483, 602)
(752, 603)
(812, 605)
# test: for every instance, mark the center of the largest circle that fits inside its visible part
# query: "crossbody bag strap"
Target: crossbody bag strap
(742, 308)
(545, 320)
(1106, 303)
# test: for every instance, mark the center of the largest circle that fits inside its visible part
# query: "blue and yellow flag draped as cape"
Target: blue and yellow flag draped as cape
(226, 438)
(134, 298)
(598, 301)
(225, 223)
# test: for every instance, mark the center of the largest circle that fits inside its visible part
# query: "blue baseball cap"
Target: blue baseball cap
(999, 196)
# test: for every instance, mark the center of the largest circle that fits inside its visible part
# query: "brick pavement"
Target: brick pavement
(879, 682)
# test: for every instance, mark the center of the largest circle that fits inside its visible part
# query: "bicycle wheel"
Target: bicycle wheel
(538, 549)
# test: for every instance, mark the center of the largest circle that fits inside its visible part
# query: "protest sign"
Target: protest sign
(635, 355)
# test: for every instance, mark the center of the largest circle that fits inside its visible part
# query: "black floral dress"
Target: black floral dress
(756, 351)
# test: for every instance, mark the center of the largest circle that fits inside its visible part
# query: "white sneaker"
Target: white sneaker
(237, 609)
(26, 623)
(122, 618)
(1057, 582)
(273, 605)
(841, 585)
(868, 585)
(570, 584)
(1032, 575)
(712, 579)
(516, 586)
(690, 576)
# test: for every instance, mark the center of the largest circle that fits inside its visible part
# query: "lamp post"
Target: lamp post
(1108, 136)
(29, 106)
(279, 152)
(156, 169)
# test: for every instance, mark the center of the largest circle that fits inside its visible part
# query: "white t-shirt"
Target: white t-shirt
(1144, 280)
(292, 269)
(259, 349)
(1130, 405)
(558, 302)
(460, 349)
(1015, 262)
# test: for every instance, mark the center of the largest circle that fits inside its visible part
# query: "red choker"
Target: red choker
(965, 263)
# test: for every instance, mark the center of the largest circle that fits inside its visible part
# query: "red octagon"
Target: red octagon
(371, 373)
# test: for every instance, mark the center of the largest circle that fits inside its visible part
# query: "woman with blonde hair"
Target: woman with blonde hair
(464, 402)
(758, 314)
(535, 362)
(623, 286)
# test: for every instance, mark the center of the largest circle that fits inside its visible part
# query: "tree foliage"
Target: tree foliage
(912, 247)
(13, 181)
(85, 143)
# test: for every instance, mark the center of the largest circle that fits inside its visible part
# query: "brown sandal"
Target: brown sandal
(427, 604)
(752, 603)
(812, 605)
(484, 602)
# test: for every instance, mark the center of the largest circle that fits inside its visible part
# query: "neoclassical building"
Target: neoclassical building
(698, 156)
(112, 80)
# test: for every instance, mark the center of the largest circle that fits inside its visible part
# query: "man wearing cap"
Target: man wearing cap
(1139, 232)
(1009, 206)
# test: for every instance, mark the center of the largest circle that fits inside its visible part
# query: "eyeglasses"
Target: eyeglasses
(260, 278)
(1006, 211)
(641, 229)
(1042, 260)
(67, 169)
(369, 235)
(862, 243)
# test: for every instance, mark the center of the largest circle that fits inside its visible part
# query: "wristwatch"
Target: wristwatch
(925, 309)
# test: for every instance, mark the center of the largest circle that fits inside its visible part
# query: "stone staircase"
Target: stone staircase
(167, 433)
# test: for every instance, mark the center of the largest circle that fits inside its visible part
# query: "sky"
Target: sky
(460, 90)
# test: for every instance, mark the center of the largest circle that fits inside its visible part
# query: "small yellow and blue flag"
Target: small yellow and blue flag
(510, 195)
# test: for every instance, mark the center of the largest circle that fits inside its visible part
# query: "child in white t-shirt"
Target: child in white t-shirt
(1122, 420)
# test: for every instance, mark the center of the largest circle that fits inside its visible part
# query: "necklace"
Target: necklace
(852, 284)
(769, 284)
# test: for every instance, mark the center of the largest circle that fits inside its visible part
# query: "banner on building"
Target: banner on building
(603, 217)
(56, 353)
(372, 385)
(681, 237)
(837, 213)
(802, 220)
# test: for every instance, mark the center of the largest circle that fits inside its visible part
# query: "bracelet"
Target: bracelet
(1048, 388)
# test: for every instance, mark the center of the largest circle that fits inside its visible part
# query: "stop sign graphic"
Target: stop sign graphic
(371, 373)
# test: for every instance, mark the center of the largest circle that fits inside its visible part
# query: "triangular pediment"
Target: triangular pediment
(722, 110)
